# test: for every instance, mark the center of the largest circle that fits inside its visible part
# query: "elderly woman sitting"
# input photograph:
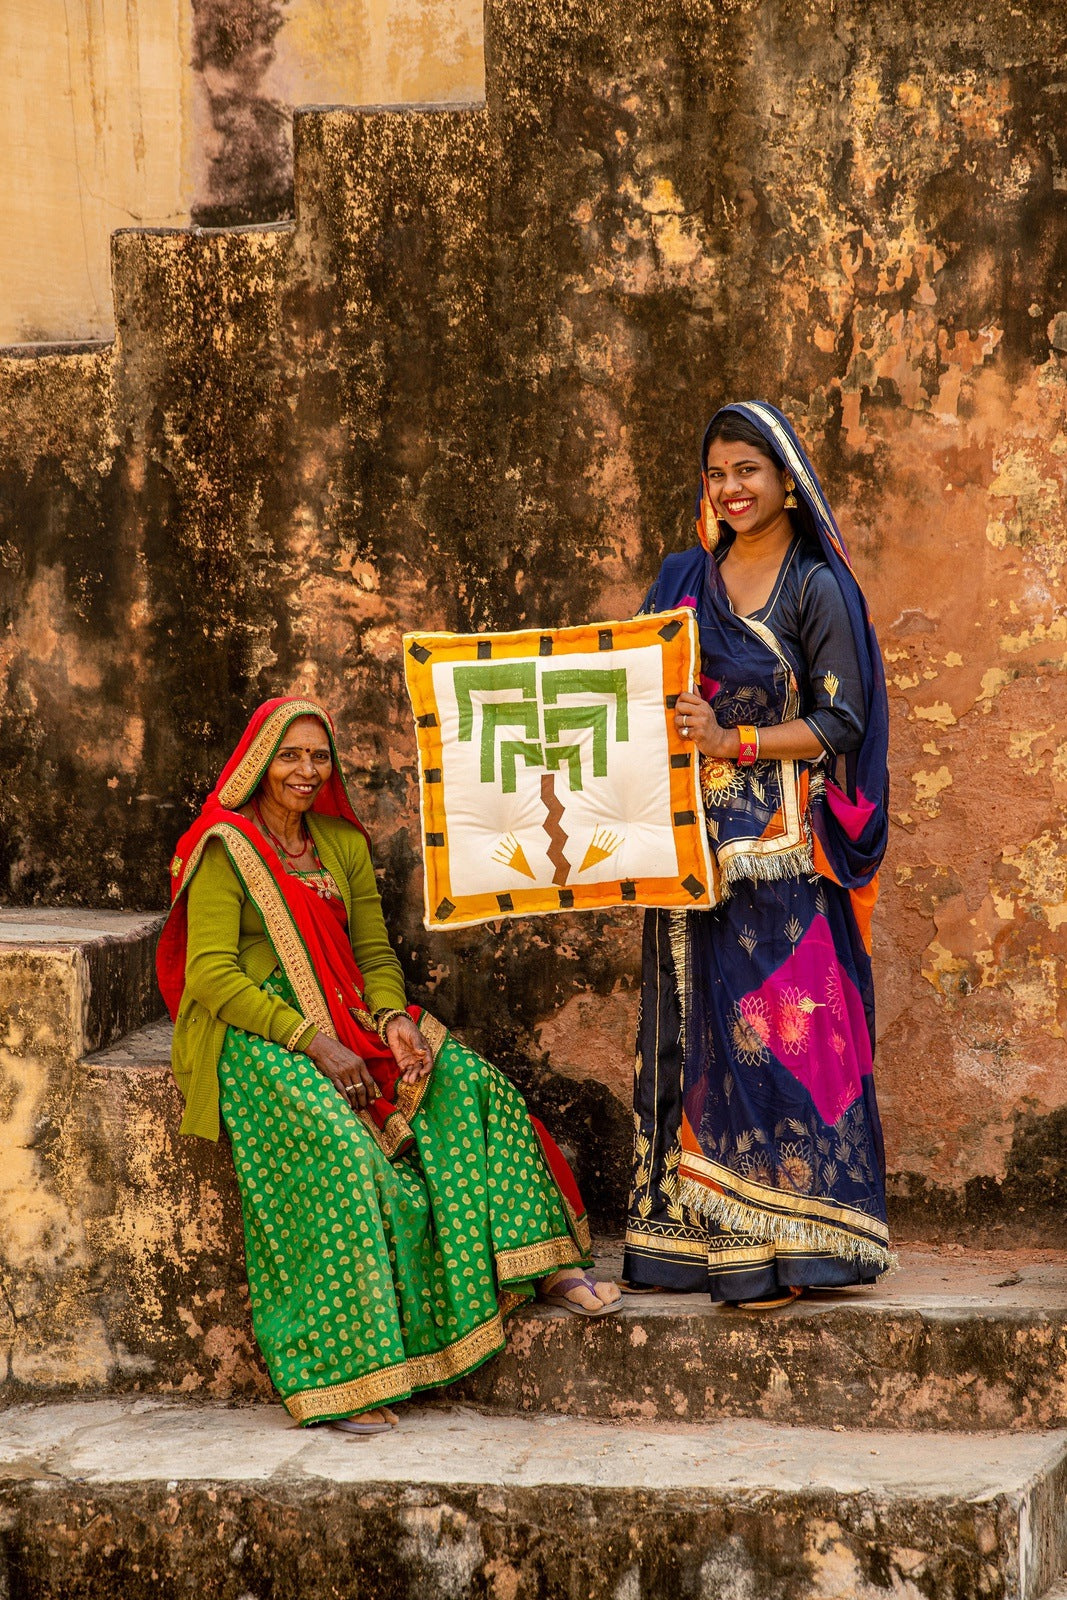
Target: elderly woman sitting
(398, 1199)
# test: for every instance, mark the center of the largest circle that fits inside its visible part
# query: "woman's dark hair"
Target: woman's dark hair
(732, 428)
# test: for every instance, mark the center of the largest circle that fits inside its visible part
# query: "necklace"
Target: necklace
(292, 855)
(320, 881)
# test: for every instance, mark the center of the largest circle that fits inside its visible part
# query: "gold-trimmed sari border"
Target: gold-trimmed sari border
(650, 1242)
(400, 1379)
(537, 1260)
(409, 1096)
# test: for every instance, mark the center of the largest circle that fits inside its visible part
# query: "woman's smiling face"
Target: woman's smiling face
(747, 489)
(301, 766)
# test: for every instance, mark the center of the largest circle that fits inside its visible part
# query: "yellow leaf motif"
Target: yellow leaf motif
(831, 683)
(644, 1205)
(509, 853)
(604, 843)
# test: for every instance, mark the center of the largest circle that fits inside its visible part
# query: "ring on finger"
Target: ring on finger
(685, 727)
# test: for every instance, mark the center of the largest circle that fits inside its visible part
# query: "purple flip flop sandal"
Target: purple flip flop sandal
(362, 1429)
(579, 1280)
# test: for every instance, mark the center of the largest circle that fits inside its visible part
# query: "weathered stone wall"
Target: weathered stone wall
(466, 390)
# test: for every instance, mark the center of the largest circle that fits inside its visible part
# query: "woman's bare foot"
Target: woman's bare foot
(580, 1292)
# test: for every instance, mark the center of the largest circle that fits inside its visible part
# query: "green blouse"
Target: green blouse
(228, 956)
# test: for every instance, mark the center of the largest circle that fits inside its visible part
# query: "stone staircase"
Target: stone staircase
(909, 1441)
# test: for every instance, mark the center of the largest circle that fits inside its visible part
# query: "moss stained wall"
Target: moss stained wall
(465, 389)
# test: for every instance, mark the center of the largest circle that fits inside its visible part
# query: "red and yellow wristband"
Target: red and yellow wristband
(748, 754)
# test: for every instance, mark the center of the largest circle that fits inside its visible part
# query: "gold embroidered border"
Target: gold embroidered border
(409, 1096)
(743, 1255)
(435, 1033)
(396, 1382)
(458, 1358)
(241, 783)
(357, 1394)
(579, 1225)
(535, 1260)
(699, 1172)
(794, 837)
(394, 1136)
(654, 1243)
(286, 941)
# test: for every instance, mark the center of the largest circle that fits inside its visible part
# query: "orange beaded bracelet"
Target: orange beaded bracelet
(748, 754)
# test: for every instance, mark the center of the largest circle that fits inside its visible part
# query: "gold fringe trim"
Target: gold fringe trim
(677, 936)
(799, 862)
(797, 1232)
(396, 1382)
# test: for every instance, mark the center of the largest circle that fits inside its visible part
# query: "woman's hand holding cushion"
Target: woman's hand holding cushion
(695, 720)
(347, 1072)
(410, 1050)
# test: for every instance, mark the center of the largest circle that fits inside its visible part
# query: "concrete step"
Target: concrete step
(83, 978)
(123, 1270)
(948, 1340)
(131, 1498)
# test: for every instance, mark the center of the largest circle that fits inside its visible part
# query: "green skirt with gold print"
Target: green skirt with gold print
(373, 1279)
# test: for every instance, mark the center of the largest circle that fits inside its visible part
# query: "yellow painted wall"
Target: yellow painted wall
(95, 131)
(378, 52)
(103, 124)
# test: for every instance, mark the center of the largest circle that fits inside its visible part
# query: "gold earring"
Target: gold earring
(790, 497)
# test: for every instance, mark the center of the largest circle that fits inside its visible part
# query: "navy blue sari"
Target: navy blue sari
(758, 1148)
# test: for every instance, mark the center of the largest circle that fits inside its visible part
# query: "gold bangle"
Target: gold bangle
(382, 1019)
